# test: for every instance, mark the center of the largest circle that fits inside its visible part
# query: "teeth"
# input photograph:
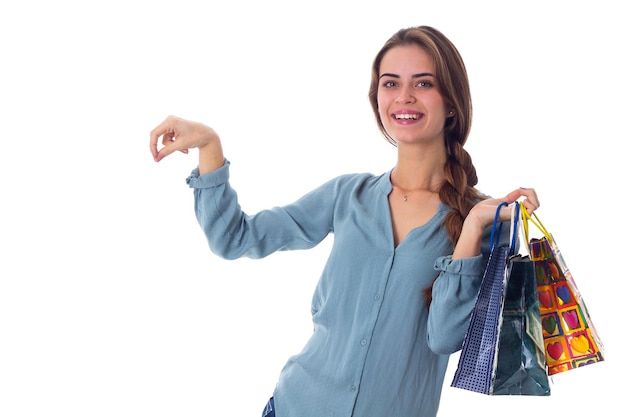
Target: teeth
(406, 116)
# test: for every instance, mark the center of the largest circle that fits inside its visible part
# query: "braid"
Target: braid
(458, 191)
(459, 194)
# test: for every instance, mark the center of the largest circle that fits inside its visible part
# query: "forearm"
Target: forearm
(211, 157)
(469, 243)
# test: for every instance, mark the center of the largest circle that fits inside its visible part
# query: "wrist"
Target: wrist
(210, 157)
(469, 243)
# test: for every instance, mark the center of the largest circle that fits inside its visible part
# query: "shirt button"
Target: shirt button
(377, 297)
(363, 342)
(353, 388)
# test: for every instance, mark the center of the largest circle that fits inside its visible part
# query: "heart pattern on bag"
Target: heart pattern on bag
(571, 319)
(545, 299)
(549, 324)
(564, 295)
(555, 350)
(580, 344)
(555, 274)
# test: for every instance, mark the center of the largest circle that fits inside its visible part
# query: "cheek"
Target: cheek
(383, 105)
(384, 118)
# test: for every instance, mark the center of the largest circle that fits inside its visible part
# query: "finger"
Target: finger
(514, 195)
(530, 201)
(530, 206)
(168, 138)
(171, 147)
(154, 138)
(167, 150)
(166, 126)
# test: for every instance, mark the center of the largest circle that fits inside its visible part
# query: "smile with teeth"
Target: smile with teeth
(405, 116)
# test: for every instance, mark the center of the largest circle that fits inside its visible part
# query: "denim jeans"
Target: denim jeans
(268, 411)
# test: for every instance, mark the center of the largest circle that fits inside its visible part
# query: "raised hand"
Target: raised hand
(178, 134)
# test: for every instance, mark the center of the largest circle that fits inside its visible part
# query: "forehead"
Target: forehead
(407, 59)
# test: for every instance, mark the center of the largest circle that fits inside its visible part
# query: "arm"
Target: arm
(455, 290)
(454, 295)
(232, 233)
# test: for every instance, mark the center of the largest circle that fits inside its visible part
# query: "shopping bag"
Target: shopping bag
(570, 338)
(475, 370)
(520, 362)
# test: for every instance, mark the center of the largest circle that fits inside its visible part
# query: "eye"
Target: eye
(388, 84)
(424, 84)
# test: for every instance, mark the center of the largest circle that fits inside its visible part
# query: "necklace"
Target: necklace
(405, 196)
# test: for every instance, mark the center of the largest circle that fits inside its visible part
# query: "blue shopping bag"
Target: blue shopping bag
(502, 352)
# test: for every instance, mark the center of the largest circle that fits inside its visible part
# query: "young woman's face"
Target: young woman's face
(410, 105)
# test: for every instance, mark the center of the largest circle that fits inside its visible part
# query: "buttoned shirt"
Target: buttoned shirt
(377, 349)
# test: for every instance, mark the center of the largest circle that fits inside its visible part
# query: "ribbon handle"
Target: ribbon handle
(526, 218)
(497, 228)
(515, 215)
(493, 240)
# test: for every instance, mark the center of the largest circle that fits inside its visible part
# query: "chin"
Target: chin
(405, 140)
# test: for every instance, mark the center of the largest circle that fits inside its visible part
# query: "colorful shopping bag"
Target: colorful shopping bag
(569, 336)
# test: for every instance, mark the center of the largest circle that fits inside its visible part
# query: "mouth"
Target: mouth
(405, 116)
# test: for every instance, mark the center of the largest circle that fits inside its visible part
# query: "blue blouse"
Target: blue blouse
(376, 349)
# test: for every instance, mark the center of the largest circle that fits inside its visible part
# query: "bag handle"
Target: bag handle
(515, 227)
(496, 226)
(515, 215)
(535, 220)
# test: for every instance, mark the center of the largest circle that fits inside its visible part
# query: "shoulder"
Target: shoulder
(358, 183)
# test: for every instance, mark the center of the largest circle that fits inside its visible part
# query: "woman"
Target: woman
(394, 299)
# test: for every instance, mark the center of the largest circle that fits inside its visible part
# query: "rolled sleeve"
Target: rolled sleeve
(454, 296)
(209, 180)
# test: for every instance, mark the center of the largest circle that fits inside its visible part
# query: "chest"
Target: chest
(410, 213)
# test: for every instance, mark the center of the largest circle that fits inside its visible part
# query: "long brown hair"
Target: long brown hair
(458, 191)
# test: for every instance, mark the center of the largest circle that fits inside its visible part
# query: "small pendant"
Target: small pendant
(405, 196)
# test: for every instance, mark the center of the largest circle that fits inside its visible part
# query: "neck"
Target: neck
(417, 175)
(419, 165)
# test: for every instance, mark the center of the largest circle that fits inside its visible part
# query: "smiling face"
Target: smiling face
(410, 105)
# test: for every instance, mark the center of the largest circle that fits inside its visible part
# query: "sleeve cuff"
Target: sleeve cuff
(211, 179)
(466, 266)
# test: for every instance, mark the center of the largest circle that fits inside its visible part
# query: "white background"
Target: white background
(111, 303)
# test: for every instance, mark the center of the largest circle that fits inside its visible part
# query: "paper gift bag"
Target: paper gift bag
(570, 338)
(520, 362)
(478, 360)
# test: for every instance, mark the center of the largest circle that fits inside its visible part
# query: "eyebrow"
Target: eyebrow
(419, 75)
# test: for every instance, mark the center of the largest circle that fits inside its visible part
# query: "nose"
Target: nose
(405, 96)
